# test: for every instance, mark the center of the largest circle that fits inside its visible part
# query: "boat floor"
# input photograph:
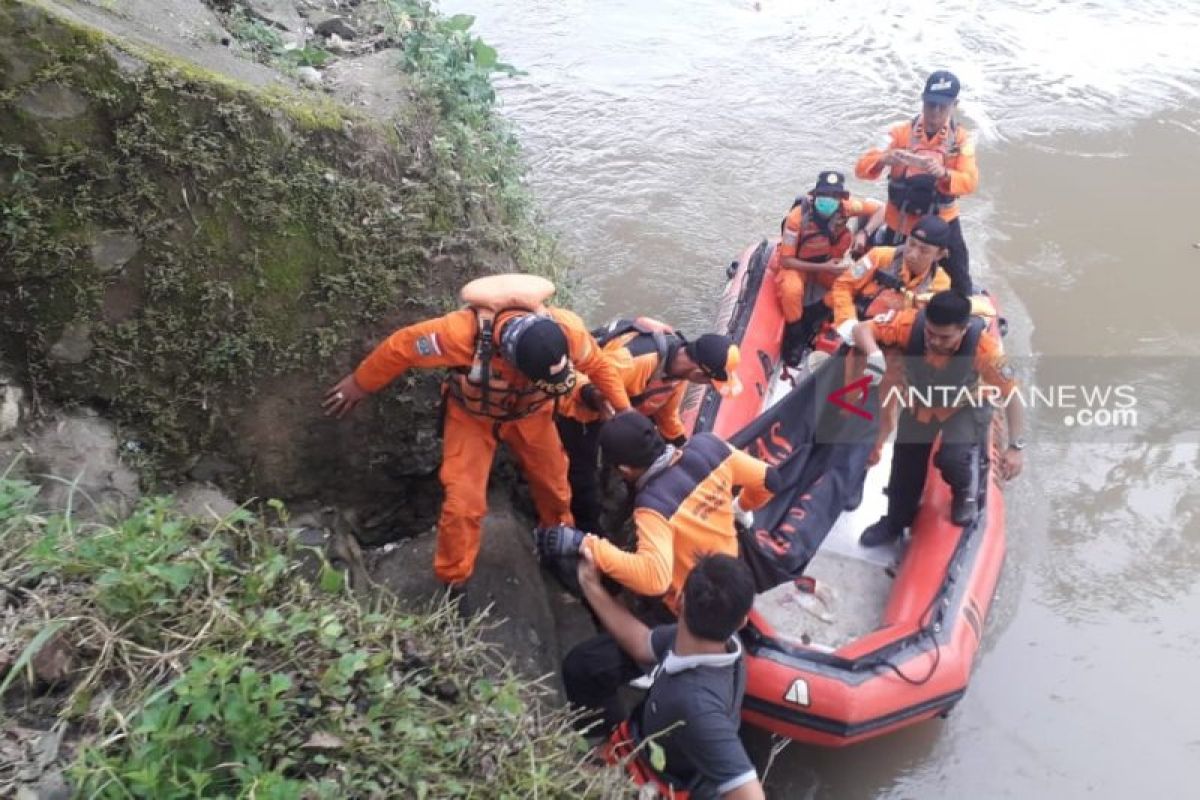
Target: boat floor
(853, 583)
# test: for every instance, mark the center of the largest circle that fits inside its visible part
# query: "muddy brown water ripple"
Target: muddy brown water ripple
(664, 137)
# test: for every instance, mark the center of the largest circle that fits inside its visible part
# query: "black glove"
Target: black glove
(678, 441)
(558, 541)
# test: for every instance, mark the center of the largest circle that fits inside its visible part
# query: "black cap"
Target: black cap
(941, 87)
(711, 354)
(933, 230)
(631, 440)
(948, 308)
(537, 346)
(831, 183)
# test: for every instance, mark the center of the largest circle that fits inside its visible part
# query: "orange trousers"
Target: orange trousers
(789, 286)
(468, 447)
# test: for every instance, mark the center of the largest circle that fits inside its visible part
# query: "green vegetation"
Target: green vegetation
(207, 664)
(273, 230)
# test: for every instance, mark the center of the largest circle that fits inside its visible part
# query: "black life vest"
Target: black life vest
(649, 336)
(959, 371)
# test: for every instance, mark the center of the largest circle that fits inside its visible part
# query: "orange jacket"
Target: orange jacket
(894, 331)
(962, 174)
(803, 239)
(684, 512)
(650, 391)
(859, 281)
(449, 341)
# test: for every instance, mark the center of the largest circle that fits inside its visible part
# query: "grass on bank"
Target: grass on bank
(206, 663)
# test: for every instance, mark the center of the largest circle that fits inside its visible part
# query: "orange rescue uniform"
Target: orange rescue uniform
(894, 330)
(859, 281)
(683, 512)
(651, 392)
(804, 239)
(953, 146)
(515, 412)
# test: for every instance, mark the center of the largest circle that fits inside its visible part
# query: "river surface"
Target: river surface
(663, 137)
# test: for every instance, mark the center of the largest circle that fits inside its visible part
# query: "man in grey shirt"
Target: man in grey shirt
(693, 706)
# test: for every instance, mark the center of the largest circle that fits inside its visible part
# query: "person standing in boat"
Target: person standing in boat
(947, 354)
(931, 163)
(685, 507)
(693, 706)
(656, 364)
(815, 237)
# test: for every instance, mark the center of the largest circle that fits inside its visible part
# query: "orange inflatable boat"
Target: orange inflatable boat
(845, 643)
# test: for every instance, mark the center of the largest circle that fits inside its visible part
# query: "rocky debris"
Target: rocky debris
(12, 405)
(54, 661)
(74, 345)
(335, 26)
(112, 250)
(79, 454)
(310, 76)
(53, 101)
(535, 621)
(38, 776)
(203, 502)
(281, 14)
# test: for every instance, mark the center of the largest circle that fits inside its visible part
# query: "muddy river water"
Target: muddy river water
(665, 136)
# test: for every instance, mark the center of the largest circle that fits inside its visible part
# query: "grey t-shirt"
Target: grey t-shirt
(702, 697)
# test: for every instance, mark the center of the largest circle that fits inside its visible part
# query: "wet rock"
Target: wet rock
(203, 502)
(336, 26)
(75, 344)
(111, 250)
(81, 451)
(53, 101)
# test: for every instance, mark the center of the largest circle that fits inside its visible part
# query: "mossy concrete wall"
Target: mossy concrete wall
(199, 259)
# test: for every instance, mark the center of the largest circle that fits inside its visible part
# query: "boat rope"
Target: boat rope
(778, 745)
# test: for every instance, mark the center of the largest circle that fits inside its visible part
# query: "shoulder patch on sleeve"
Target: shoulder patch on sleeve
(428, 346)
(885, 317)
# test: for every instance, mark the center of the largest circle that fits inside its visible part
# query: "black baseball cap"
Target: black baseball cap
(941, 87)
(832, 183)
(933, 230)
(631, 440)
(718, 357)
(537, 346)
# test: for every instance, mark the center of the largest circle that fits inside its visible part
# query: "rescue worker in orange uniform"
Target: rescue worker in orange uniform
(686, 504)
(947, 353)
(931, 163)
(656, 364)
(510, 357)
(815, 237)
(891, 279)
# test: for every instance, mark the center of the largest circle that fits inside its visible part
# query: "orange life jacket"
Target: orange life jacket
(641, 336)
(492, 387)
(915, 194)
(820, 240)
(891, 286)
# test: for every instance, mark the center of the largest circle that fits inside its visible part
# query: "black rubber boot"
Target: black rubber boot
(964, 508)
(882, 532)
(792, 349)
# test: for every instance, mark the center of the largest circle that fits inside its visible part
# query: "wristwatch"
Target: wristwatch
(1017, 444)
